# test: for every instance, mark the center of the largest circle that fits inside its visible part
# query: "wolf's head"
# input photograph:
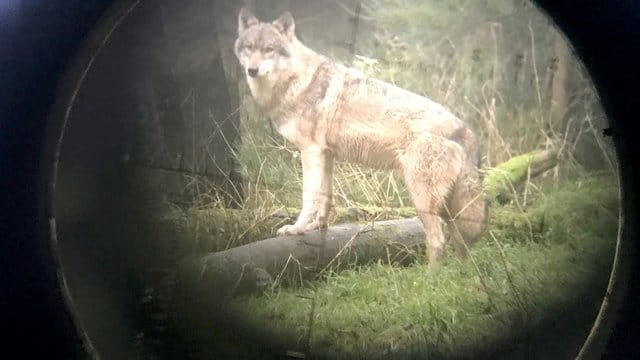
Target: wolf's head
(263, 47)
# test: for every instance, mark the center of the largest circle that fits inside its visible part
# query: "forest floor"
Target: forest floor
(531, 287)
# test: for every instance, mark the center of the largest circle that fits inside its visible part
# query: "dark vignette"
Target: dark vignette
(38, 42)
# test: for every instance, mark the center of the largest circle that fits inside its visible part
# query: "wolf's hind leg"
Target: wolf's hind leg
(467, 211)
(428, 202)
(429, 192)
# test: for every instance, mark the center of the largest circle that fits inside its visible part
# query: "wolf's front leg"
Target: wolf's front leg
(323, 197)
(317, 166)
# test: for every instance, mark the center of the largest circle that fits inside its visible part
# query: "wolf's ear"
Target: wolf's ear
(285, 25)
(246, 20)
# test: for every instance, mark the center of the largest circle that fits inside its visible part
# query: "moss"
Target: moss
(496, 181)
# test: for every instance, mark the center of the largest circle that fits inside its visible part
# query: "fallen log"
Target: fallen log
(500, 181)
(296, 258)
(293, 259)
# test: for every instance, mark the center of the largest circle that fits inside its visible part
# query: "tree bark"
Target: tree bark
(559, 67)
(295, 258)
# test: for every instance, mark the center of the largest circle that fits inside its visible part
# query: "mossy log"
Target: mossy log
(296, 258)
(500, 181)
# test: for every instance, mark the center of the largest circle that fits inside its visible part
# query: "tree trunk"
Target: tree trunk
(559, 67)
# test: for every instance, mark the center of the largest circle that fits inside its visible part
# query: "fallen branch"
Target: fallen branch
(500, 180)
(296, 258)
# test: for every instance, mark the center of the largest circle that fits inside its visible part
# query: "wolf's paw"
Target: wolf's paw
(316, 225)
(291, 230)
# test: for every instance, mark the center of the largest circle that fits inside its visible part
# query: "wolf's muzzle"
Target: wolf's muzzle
(253, 72)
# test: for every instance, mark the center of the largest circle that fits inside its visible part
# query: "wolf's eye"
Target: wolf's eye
(268, 50)
(248, 47)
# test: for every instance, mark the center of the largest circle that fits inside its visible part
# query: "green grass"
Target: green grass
(547, 260)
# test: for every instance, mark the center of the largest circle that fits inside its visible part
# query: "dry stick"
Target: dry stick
(466, 206)
(235, 286)
(490, 127)
(397, 190)
(345, 246)
(526, 187)
(565, 138)
(405, 253)
(582, 130)
(231, 149)
(224, 137)
(388, 188)
(249, 228)
(284, 268)
(534, 64)
(343, 194)
(493, 124)
(492, 107)
(194, 165)
(494, 37)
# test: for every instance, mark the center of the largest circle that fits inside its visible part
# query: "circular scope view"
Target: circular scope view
(334, 179)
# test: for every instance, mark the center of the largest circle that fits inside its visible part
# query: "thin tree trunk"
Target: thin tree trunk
(558, 108)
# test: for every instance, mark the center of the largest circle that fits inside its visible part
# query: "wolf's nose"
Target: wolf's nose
(253, 72)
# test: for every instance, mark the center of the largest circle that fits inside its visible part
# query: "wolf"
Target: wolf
(331, 112)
